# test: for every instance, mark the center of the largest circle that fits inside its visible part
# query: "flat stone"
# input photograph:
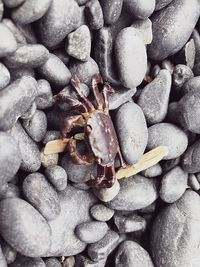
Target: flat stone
(8, 43)
(120, 97)
(129, 223)
(45, 97)
(101, 213)
(57, 176)
(4, 76)
(111, 10)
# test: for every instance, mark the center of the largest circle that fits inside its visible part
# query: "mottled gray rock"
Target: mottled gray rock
(79, 43)
(190, 159)
(153, 171)
(129, 223)
(135, 193)
(23, 261)
(188, 53)
(101, 249)
(57, 176)
(192, 84)
(107, 194)
(28, 32)
(15, 99)
(181, 74)
(3, 262)
(173, 185)
(120, 96)
(62, 55)
(29, 151)
(162, 3)
(132, 131)
(61, 18)
(82, 261)
(49, 160)
(193, 182)
(19, 36)
(131, 57)
(131, 254)
(55, 71)
(167, 65)
(50, 136)
(30, 11)
(26, 116)
(8, 252)
(154, 98)
(4, 76)
(111, 10)
(177, 226)
(20, 72)
(52, 262)
(8, 43)
(169, 135)
(177, 30)
(13, 3)
(140, 9)
(69, 261)
(94, 14)
(29, 233)
(45, 97)
(11, 191)
(101, 213)
(144, 30)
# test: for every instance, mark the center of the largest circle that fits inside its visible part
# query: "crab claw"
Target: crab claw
(74, 80)
(96, 79)
(108, 88)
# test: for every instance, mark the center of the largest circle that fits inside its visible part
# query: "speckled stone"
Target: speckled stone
(144, 30)
(140, 9)
(4, 76)
(28, 262)
(57, 176)
(111, 10)
(162, 3)
(129, 223)
(190, 159)
(101, 213)
(8, 43)
(94, 14)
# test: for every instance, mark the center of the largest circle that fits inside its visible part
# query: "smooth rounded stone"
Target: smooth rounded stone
(131, 57)
(19, 73)
(173, 185)
(101, 249)
(57, 176)
(55, 71)
(3, 262)
(13, 3)
(45, 97)
(8, 252)
(196, 38)
(49, 160)
(19, 36)
(167, 65)
(190, 159)
(88, 233)
(81, 2)
(94, 14)
(193, 182)
(188, 53)
(40, 193)
(101, 213)
(154, 171)
(169, 135)
(129, 223)
(192, 85)
(135, 193)
(8, 43)
(172, 109)
(11, 191)
(81, 186)
(111, 10)
(28, 231)
(69, 262)
(107, 194)
(177, 225)
(10, 158)
(28, 32)
(154, 98)
(62, 55)
(4, 76)
(50, 136)
(61, 18)
(36, 127)
(84, 70)
(181, 74)
(120, 97)
(132, 131)
(82, 261)
(30, 11)
(144, 30)
(78, 43)
(131, 254)
(177, 30)
(23, 261)
(140, 9)
(162, 3)
(52, 262)
(15, 99)
(26, 116)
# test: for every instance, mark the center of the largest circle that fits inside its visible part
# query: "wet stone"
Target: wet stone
(190, 159)
(129, 223)
(140, 9)
(52, 262)
(181, 74)
(94, 14)
(8, 252)
(101, 213)
(8, 43)
(111, 10)
(154, 171)
(22, 261)
(45, 97)
(57, 176)
(4, 76)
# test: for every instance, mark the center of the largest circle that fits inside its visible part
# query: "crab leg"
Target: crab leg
(106, 90)
(70, 123)
(96, 79)
(71, 101)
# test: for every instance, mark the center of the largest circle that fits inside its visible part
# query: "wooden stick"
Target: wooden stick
(55, 146)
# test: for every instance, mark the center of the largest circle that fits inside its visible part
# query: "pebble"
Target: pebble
(101, 249)
(1, 9)
(8, 252)
(15, 99)
(40, 193)
(120, 97)
(28, 32)
(192, 85)
(94, 14)
(170, 28)
(2, 259)
(111, 10)
(21, 72)
(29, 233)
(84, 70)
(69, 262)
(107, 194)
(160, 4)
(190, 159)
(11, 191)
(23, 261)
(193, 182)
(131, 254)
(132, 131)
(13, 3)
(50, 136)
(62, 55)
(61, 18)
(101, 213)
(45, 97)
(49, 160)
(173, 185)
(57, 176)
(154, 171)
(188, 54)
(52, 262)
(19, 36)
(140, 9)
(30, 11)
(169, 135)
(181, 74)
(88, 233)
(135, 193)
(154, 98)
(27, 116)
(4, 76)
(82, 261)
(131, 57)
(78, 43)
(144, 30)
(55, 71)
(167, 65)
(177, 225)
(8, 43)
(130, 223)
(29, 151)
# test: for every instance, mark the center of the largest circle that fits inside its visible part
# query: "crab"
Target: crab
(99, 131)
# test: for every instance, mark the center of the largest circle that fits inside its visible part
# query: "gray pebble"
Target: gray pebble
(15, 100)
(162, 3)
(188, 53)
(181, 74)
(140, 9)
(49, 160)
(62, 55)
(30, 153)
(79, 43)
(170, 28)
(61, 18)
(52, 262)
(192, 84)
(11, 191)
(193, 182)
(50, 136)
(1, 9)
(94, 14)
(8, 252)
(144, 30)
(23, 261)
(107, 194)
(101, 213)
(154, 98)
(111, 10)
(29, 112)
(101, 249)
(13, 3)
(131, 254)
(28, 32)
(131, 57)
(129, 223)
(29, 233)
(135, 193)
(132, 131)
(8, 43)
(173, 185)
(154, 171)
(91, 232)
(172, 109)
(4, 76)
(82, 261)
(81, 186)
(57, 176)
(55, 71)
(167, 65)
(45, 97)
(19, 36)
(190, 159)
(30, 11)
(84, 70)
(120, 96)
(2, 259)
(169, 135)
(21, 72)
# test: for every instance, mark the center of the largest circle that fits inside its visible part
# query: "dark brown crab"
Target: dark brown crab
(99, 132)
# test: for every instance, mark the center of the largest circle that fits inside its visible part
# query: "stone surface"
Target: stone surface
(82, 261)
(181, 74)
(2, 259)
(162, 3)
(101, 213)
(120, 97)
(193, 182)
(8, 42)
(4, 76)
(140, 9)
(107, 194)
(153, 171)
(45, 97)
(57, 176)
(190, 159)
(144, 30)
(23, 261)
(111, 10)
(129, 223)
(13, 3)
(49, 160)
(94, 14)
(52, 262)
(8, 252)
(192, 84)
